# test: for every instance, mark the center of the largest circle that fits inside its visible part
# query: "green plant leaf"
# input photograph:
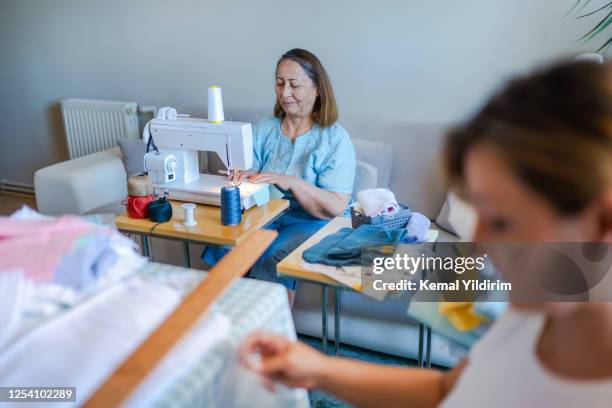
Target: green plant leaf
(584, 4)
(609, 5)
(573, 7)
(605, 22)
(606, 45)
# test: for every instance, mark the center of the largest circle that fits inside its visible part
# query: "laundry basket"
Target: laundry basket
(396, 221)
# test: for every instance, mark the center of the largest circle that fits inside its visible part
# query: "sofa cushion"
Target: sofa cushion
(378, 155)
(366, 177)
(442, 219)
(132, 152)
(415, 173)
(444, 235)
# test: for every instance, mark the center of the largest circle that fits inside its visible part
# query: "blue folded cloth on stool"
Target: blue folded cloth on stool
(344, 248)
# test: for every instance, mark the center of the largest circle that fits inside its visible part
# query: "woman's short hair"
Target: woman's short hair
(325, 110)
(554, 130)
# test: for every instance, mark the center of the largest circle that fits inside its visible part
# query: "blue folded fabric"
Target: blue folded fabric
(84, 264)
(345, 246)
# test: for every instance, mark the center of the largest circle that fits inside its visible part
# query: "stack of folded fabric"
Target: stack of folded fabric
(378, 202)
(340, 257)
(375, 202)
(344, 248)
(83, 346)
(14, 292)
(48, 264)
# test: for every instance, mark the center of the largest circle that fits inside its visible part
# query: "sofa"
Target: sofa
(403, 157)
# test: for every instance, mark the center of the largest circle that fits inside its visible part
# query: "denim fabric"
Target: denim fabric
(294, 227)
(344, 247)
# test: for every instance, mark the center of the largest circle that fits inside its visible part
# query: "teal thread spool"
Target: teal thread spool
(160, 210)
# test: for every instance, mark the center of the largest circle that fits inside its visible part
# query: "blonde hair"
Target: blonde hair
(554, 130)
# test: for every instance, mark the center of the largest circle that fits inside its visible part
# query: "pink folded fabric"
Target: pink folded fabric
(36, 246)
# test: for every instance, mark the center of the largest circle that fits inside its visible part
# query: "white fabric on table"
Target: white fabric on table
(83, 346)
(347, 275)
(240, 387)
(24, 302)
(14, 290)
(187, 352)
(27, 213)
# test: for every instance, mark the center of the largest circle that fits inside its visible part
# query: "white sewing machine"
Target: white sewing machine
(175, 167)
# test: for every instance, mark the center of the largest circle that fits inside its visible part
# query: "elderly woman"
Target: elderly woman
(303, 152)
(536, 163)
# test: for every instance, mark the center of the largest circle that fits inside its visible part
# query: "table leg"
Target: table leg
(337, 321)
(420, 354)
(324, 318)
(428, 348)
(186, 260)
(145, 245)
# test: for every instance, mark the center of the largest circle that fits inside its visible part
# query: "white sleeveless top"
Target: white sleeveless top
(504, 371)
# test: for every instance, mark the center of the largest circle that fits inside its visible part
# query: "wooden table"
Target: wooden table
(291, 267)
(208, 230)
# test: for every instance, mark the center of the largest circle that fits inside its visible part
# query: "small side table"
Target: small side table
(208, 230)
(291, 267)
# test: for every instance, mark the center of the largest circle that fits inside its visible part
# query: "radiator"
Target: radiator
(92, 125)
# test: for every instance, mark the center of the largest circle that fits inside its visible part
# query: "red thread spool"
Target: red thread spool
(137, 206)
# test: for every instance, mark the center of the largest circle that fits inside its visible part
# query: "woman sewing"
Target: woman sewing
(304, 153)
(536, 164)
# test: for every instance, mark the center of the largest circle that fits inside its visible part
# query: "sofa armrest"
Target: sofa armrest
(77, 186)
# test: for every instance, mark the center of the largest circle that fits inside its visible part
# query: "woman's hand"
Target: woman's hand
(282, 360)
(283, 181)
(238, 175)
(278, 359)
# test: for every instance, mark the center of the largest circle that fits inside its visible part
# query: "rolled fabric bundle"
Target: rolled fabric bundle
(140, 186)
(418, 226)
(378, 201)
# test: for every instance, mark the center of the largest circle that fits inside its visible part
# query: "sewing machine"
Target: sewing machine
(175, 167)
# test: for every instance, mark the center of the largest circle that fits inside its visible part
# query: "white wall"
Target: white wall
(405, 60)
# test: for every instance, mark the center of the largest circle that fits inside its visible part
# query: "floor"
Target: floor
(10, 202)
(319, 399)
